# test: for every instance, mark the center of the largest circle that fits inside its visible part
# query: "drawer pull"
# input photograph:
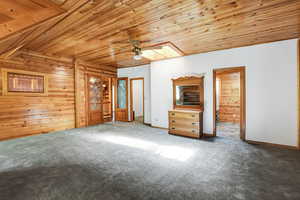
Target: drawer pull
(173, 128)
(173, 120)
(193, 115)
(193, 123)
(193, 131)
(173, 114)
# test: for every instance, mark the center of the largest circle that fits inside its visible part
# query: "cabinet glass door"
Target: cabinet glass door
(94, 85)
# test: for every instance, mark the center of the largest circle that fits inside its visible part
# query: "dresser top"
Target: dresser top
(187, 111)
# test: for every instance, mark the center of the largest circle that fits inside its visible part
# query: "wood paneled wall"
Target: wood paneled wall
(22, 116)
(229, 97)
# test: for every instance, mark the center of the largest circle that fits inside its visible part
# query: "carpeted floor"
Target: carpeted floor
(136, 162)
(227, 129)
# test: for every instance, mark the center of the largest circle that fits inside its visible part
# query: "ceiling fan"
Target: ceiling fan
(138, 50)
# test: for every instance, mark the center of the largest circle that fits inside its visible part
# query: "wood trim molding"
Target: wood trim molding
(10, 53)
(214, 104)
(98, 67)
(272, 145)
(242, 71)
(37, 54)
(243, 103)
(86, 106)
(11, 61)
(298, 91)
(171, 45)
(77, 91)
(114, 93)
(227, 70)
(208, 135)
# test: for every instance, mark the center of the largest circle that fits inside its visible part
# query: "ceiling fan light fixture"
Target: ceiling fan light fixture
(137, 53)
(137, 57)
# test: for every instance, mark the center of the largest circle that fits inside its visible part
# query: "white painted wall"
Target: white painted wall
(271, 88)
(137, 99)
(136, 72)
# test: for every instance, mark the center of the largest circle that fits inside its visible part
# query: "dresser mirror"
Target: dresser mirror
(188, 93)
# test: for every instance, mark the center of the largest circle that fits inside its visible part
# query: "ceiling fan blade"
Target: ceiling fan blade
(121, 42)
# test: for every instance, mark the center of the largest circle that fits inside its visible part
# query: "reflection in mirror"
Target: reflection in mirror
(188, 95)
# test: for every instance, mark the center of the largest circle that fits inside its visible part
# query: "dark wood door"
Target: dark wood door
(122, 100)
(94, 97)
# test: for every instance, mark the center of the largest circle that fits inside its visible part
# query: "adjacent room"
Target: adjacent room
(137, 99)
(149, 99)
(228, 98)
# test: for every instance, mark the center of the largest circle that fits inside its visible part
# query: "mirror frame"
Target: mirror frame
(185, 81)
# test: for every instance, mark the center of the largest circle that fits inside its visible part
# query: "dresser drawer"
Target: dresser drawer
(194, 130)
(186, 133)
(193, 122)
(184, 124)
(184, 115)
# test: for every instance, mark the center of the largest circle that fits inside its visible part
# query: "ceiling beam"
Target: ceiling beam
(9, 54)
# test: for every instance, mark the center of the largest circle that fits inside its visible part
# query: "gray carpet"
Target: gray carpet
(136, 162)
(227, 129)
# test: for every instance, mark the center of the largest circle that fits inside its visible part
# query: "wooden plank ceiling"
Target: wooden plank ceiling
(98, 31)
(16, 15)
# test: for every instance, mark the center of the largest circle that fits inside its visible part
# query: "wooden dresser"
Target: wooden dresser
(186, 123)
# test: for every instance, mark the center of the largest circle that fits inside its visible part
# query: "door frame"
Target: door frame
(242, 71)
(298, 91)
(131, 97)
(114, 97)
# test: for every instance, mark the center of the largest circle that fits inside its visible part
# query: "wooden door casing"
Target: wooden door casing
(242, 72)
(131, 98)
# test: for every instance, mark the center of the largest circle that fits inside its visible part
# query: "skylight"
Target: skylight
(167, 50)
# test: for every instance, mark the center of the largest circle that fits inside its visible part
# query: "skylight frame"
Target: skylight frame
(161, 56)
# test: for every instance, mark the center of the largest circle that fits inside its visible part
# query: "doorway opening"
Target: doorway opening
(229, 102)
(137, 100)
(121, 99)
